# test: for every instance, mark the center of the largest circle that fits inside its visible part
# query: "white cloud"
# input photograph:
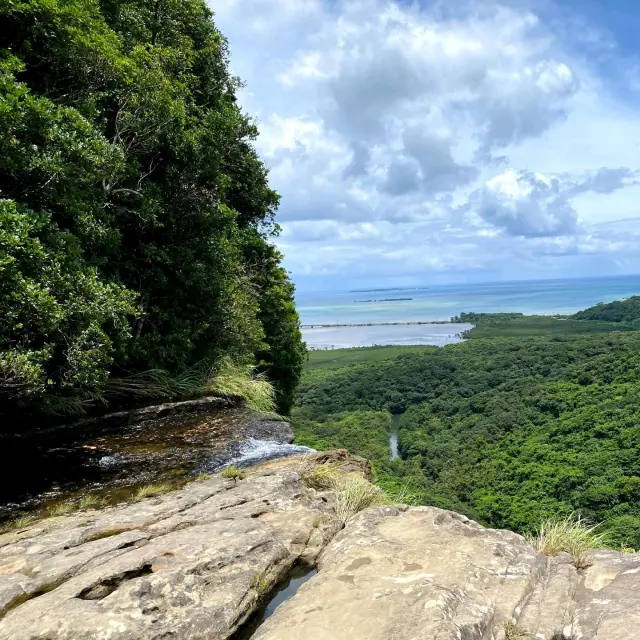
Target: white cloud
(389, 129)
(525, 204)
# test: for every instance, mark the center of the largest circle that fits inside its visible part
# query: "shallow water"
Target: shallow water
(112, 463)
(441, 302)
(370, 336)
(255, 451)
(284, 591)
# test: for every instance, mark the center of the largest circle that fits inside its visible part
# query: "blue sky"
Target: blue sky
(443, 142)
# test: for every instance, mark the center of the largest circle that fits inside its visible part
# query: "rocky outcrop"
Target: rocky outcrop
(194, 563)
(408, 573)
(197, 562)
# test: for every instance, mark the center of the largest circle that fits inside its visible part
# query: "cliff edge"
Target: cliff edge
(197, 563)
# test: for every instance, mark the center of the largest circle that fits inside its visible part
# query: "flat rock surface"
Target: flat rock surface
(424, 573)
(196, 563)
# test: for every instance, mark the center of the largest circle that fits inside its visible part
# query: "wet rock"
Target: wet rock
(123, 451)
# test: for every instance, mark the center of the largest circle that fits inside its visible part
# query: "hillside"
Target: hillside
(621, 311)
(506, 430)
(137, 229)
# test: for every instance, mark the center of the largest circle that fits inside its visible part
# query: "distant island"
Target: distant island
(385, 300)
(389, 289)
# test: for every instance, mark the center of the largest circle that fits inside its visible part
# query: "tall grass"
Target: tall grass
(573, 535)
(227, 380)
(235, 381)
(353, 492)
(18, 523)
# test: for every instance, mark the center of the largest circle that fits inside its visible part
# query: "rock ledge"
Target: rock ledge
(196, 563)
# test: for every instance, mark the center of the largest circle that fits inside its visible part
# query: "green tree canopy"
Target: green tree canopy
(136, 221)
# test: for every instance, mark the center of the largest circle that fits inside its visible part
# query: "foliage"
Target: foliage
(232, 473)
(504, 325)
(365, 433)
(320, 359)
(152, 490)
(509, 431)
(618, 311)
(354, 494)
(572, 535)
(137, 222)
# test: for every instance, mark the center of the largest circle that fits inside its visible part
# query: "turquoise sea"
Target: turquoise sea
(437, 303)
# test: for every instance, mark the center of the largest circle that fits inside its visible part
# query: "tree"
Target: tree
(131, 172)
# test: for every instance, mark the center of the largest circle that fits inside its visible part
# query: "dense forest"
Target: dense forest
(137, 260)
(506, 430)
(136, 218)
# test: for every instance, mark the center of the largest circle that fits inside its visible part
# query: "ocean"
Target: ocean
(438, 303)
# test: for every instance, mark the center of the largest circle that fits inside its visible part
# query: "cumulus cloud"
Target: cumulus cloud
(389, 126)
(525, 204)
(536, 205)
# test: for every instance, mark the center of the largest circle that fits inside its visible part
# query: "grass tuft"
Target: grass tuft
(226, 380)
(232, 473)
(573, 535)
(152, 490)
(63, 508)
(18, 523)
(321, 478)
(354, 493)
(91, 501)
(241, 382)
(513, 632)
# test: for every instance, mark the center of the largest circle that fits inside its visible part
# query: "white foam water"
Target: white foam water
(109, 462)
(254, 451)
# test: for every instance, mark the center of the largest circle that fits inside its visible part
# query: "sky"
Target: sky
(418, 142)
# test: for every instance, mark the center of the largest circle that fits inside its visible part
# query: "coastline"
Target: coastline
(375, 324)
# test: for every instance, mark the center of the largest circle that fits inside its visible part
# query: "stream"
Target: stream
(111, 462)
(393, 436)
